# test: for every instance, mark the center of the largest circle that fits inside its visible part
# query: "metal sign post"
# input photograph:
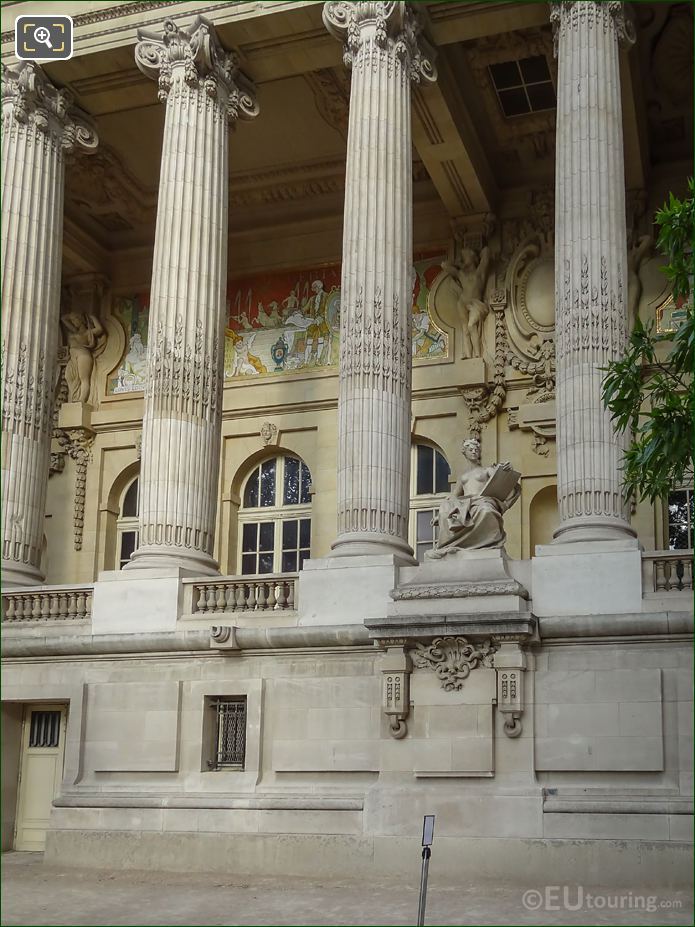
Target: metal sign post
(427, 839)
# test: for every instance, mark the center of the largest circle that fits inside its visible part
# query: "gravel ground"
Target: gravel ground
(34, 893)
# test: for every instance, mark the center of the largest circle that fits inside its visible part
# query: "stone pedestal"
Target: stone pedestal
(590, 267)
(181, 430)
(596, 578)
(465, 582)
(338, 590)
(139, 602)
(381, 46)
(39, 126)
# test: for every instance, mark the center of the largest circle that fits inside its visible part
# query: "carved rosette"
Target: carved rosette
(204, 91)
(40, 125)
(384, 48)
(590, 267)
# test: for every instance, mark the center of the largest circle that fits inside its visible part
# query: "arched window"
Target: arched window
(127, 525)
(275, 517)
(429, 478)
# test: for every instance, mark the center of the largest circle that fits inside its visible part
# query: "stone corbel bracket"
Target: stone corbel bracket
(510, 666)
(396, 668)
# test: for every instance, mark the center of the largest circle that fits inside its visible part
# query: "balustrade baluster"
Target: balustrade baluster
(261, 597)
(201, 601)
(272, 599)
(659, 576)
(211, 598)
(9, 609)
(80, 605)
(281, 595)
(251, 596)
(220, 598)
(240, 597)
(53, 606)
(290, 593)
(36, 607)
(72, 605)
(62, 605)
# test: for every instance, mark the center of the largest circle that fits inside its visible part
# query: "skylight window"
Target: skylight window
(523, 86)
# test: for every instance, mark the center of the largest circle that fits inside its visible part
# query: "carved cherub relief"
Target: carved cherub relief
(470, 274)
(86, 339)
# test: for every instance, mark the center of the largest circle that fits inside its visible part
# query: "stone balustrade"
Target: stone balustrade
(47, 603)
(245, 593)
(667, 570)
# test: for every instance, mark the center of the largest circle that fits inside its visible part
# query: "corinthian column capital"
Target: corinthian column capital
(393, 26)
(30, 99)
(195, 57)
(602, 14)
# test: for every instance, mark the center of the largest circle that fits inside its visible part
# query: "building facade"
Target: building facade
(266, 266)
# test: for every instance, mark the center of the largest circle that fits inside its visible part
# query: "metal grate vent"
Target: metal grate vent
(231, 733)
(45, 729)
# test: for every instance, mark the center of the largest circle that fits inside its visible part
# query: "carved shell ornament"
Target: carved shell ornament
(452, 659)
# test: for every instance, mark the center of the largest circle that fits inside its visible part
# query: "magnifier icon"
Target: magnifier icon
(44, 36)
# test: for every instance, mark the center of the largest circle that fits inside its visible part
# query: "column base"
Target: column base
(367, 544)
(173, 558)
(15, 575)
(593, 529)
(593, 578)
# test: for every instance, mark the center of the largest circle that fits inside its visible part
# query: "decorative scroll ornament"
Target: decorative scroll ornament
(195, 57)
(574, 14)
(484, 402)
(453, 658)
(31, 99)
(392, 26)
(77, 444)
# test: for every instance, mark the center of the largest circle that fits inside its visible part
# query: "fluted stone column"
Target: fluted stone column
(204, 92)
(40, 126)
(381, 46)
(590, 266)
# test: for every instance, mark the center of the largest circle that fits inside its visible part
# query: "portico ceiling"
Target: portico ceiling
(288, 164)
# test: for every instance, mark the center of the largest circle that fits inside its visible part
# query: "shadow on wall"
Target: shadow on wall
(543, 516)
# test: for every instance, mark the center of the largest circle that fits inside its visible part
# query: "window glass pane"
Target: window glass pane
(541, 96)
(505, 74)
(305, 532)
(303, 555)
(425, 531)
(420, 550)
(251, 491)
(265, 563)
(248, 564)
(514, 102)
(305, 483)
(678, 512)
(289, 561)
(425, 476)
(267, 493)
(442, 471)
(291, 489)
(249, 538)
(267, 535)
(130, 501)
(44, 730)
(289, 535)
(128, 542)
(534, 69)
